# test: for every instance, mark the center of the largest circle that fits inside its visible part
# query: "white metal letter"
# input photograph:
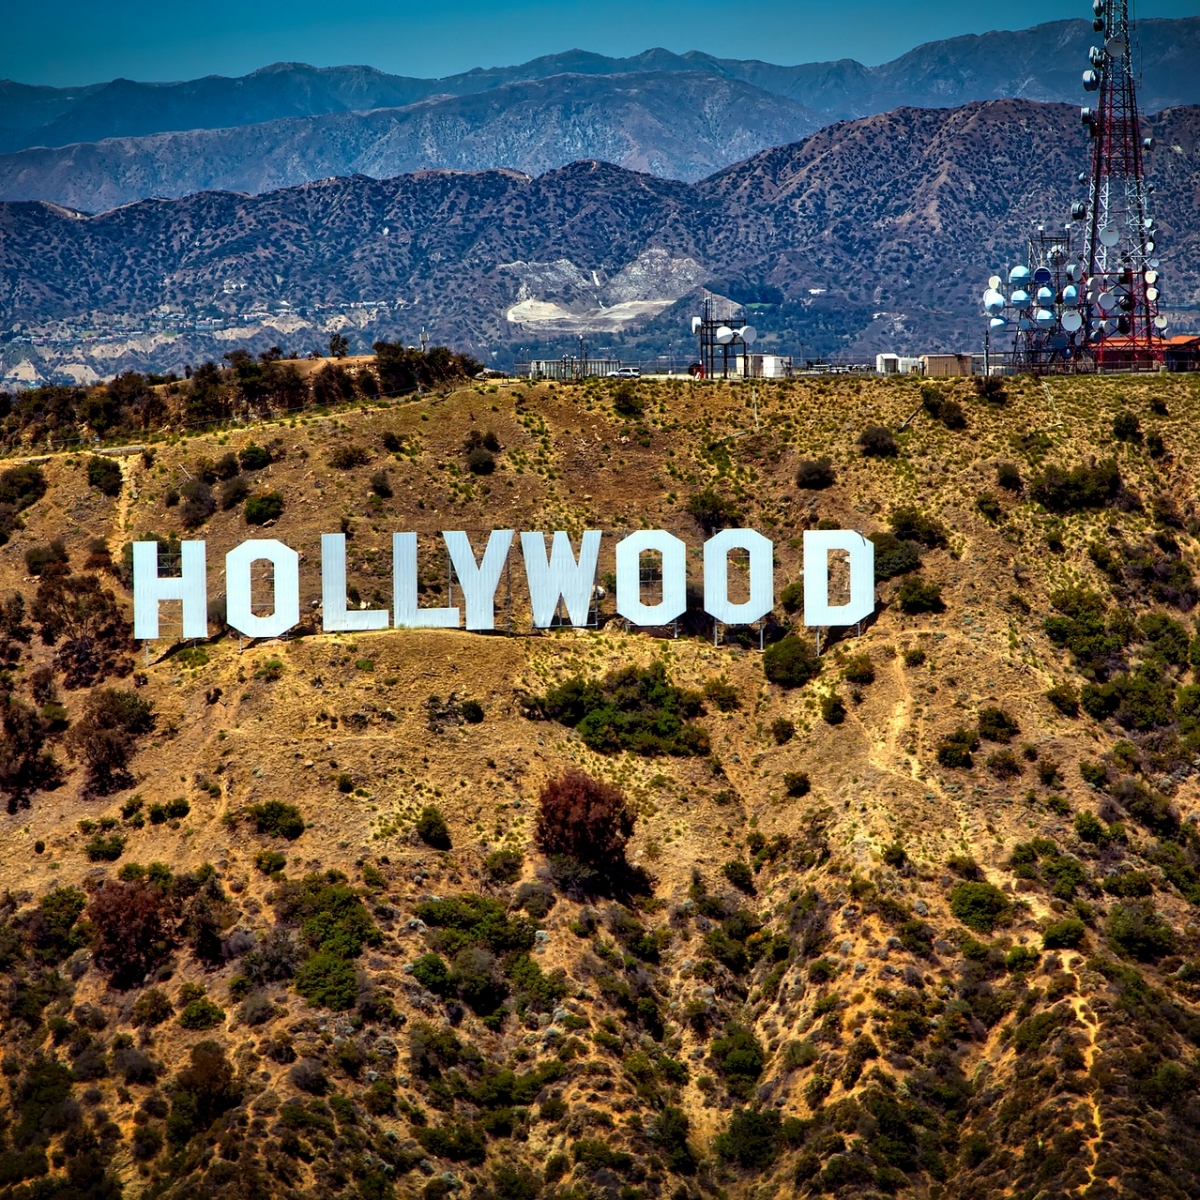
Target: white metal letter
(405, 612)
(334, 617)
(817, 545)
(561, 577)
(239, 611)
(149, 587)
(479, 580)
(629, 577)
(716, 576)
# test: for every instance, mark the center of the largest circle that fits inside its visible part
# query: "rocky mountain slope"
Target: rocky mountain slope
(871, 234)
(678, 115)
(276, 919)
(680, 125)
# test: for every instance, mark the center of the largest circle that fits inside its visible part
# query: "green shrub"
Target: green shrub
(348, 456)
(752, 1139)
(104, 474)
(833, 709)
(277, 819)
(1083, 487)
(989, 506)
(791, 599)
(481, 461)
(431, 972)
(266, 506)
(914, 657)
(631, 709)
(714, 512)
(105, 847)
(328, 980)
(782, 731)
(471, 711)
(270, 861)
(458, 1143)
(233, 492)
(797, 783)
(1021, 959)
(916, 596)
(791, 662)
(739, 874)
(1139, 932)
(1004, 764)
(1095, 774)
(859, 669)
(1126, 427)
(1065, 698)
(626, 401)
(979, 906)
(43, 555)
(722, 694)
(1008, 476)
(201, 1013)
(815, 474)
(738, 1056)
(894, 855)
(995, 725)
(894, 556)
(254, 457)
(877, 441)
(954, 750)
(1064, 935)
(504, 866)
(912, 524)
(432, 828)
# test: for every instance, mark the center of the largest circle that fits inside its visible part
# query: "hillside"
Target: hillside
(676, 116)
(875, 234)
(680, 126)
(922, 926)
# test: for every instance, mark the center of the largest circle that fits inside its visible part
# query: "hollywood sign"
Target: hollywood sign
(558, 576)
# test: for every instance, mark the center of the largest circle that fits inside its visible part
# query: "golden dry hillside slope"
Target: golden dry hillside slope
(913, 927)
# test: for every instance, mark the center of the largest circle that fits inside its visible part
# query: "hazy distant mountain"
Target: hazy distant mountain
(680, 116)
(875, 232)
(681, 126)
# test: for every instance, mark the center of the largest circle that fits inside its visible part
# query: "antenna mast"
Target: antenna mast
(1123, 325)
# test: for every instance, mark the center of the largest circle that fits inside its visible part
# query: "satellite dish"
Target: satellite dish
(696, 323)
(994, 282)
(1149, 247)
(1045, 295)
(1072, 322)
(1109, 237)
(1107, 302)
(997, 323)
(993, 301)
(748, 334)
(1115, 47)
(1091, 81)
(1081, 177)
(1151, 276)
(1044, 318)
(1152, 294)
(1154, 263)
(1160, 322)
(724, 335)
(1025, 324)
(1058, 341)
(1042, 275)
(1020, 298)
(1073, 272)
(1018, 275)
(1070, 294)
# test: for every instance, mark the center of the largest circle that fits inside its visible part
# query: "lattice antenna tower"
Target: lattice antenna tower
(1120, 270)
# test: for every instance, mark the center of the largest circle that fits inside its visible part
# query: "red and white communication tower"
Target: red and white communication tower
(1120, 272)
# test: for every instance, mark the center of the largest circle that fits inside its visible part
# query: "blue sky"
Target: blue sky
(82, 41)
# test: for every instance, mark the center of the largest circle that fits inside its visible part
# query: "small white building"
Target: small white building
(762, 366)
(895, 364)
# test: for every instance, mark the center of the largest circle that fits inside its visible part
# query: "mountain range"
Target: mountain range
(870, 234)
(677, 116)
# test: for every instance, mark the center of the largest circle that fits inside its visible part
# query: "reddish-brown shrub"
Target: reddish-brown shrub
(133, 929)
(584, 818)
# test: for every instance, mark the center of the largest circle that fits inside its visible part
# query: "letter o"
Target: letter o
(716, 576)
(674, 577)
(239, 610)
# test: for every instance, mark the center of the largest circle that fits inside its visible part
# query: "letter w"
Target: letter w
(561, 577)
